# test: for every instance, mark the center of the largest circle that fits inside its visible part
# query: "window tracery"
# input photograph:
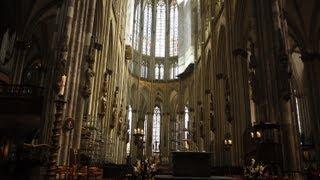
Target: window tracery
(160, 29)
(157, 71)
(174, 29)
(156, 130)
(144, 70)
(186, 122)
(147, 25)
(174, 71)
(129, 130)
(136, 28)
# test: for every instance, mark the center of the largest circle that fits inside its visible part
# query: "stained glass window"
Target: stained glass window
(129, 130)
(174, 28)
(161, 71)
(144, 70)
(157, 71)
(298, 115)
(186, 122)
(136, 28)
(147, 25)
(160, 29)
(145, 127)
(156, 130)
(174, 70)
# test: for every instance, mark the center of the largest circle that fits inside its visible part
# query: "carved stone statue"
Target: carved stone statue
(114, 117)
(88, 82)
(89, 74)
(103, 105)
(7, 46)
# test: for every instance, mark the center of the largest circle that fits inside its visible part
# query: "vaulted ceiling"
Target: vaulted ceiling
(33, 22)
(28, 17)
(303, 17)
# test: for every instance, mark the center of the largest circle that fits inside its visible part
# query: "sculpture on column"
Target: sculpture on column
(253, 85)
(202, 130)
(60, 102)
(227, 94)
(211, 110)
(104, 98)
(228, 101)
(114, 109)
(6, 49)
(124, 131)
(252, 75)
(89, 73)
(121, 121)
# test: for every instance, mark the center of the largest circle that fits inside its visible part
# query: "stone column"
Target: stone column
(69, 90)
(273, 78)
(62, 69)
(88, 26)
(21, 48)
(311, 62)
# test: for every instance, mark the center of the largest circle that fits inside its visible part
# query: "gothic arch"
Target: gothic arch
(221, 52)
(186, 96)
(133, 91)
(144, 99)
(173, 100)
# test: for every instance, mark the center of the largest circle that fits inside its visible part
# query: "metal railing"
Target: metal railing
(92, 141)
(12, 90)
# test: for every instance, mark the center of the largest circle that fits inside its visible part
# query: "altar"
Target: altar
(193, 164)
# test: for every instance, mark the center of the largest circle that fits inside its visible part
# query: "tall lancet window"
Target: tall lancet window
(129, 130)
(157, 71)
(145, 127)
(156, 130)
(174, 71)
(144, 70)
(186, 122)
(174, 28)
(161, 71)
(147, 24)
(161, 29)
(136, 29)
(298, 115)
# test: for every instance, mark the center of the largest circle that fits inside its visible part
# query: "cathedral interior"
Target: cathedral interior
(160, 89)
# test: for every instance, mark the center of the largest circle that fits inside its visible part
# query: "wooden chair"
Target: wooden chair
(83, 173)
(95, 172)
(62, 172)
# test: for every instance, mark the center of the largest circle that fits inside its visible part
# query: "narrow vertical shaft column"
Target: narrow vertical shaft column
(311, 62)
(289, 134)
(62, 69)
(273, 76)
(87, 35)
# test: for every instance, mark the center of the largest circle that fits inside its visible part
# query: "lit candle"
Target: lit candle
(258, 134)
(62, 84)
(252, 135)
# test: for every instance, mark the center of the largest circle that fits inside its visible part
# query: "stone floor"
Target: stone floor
(187, 178)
